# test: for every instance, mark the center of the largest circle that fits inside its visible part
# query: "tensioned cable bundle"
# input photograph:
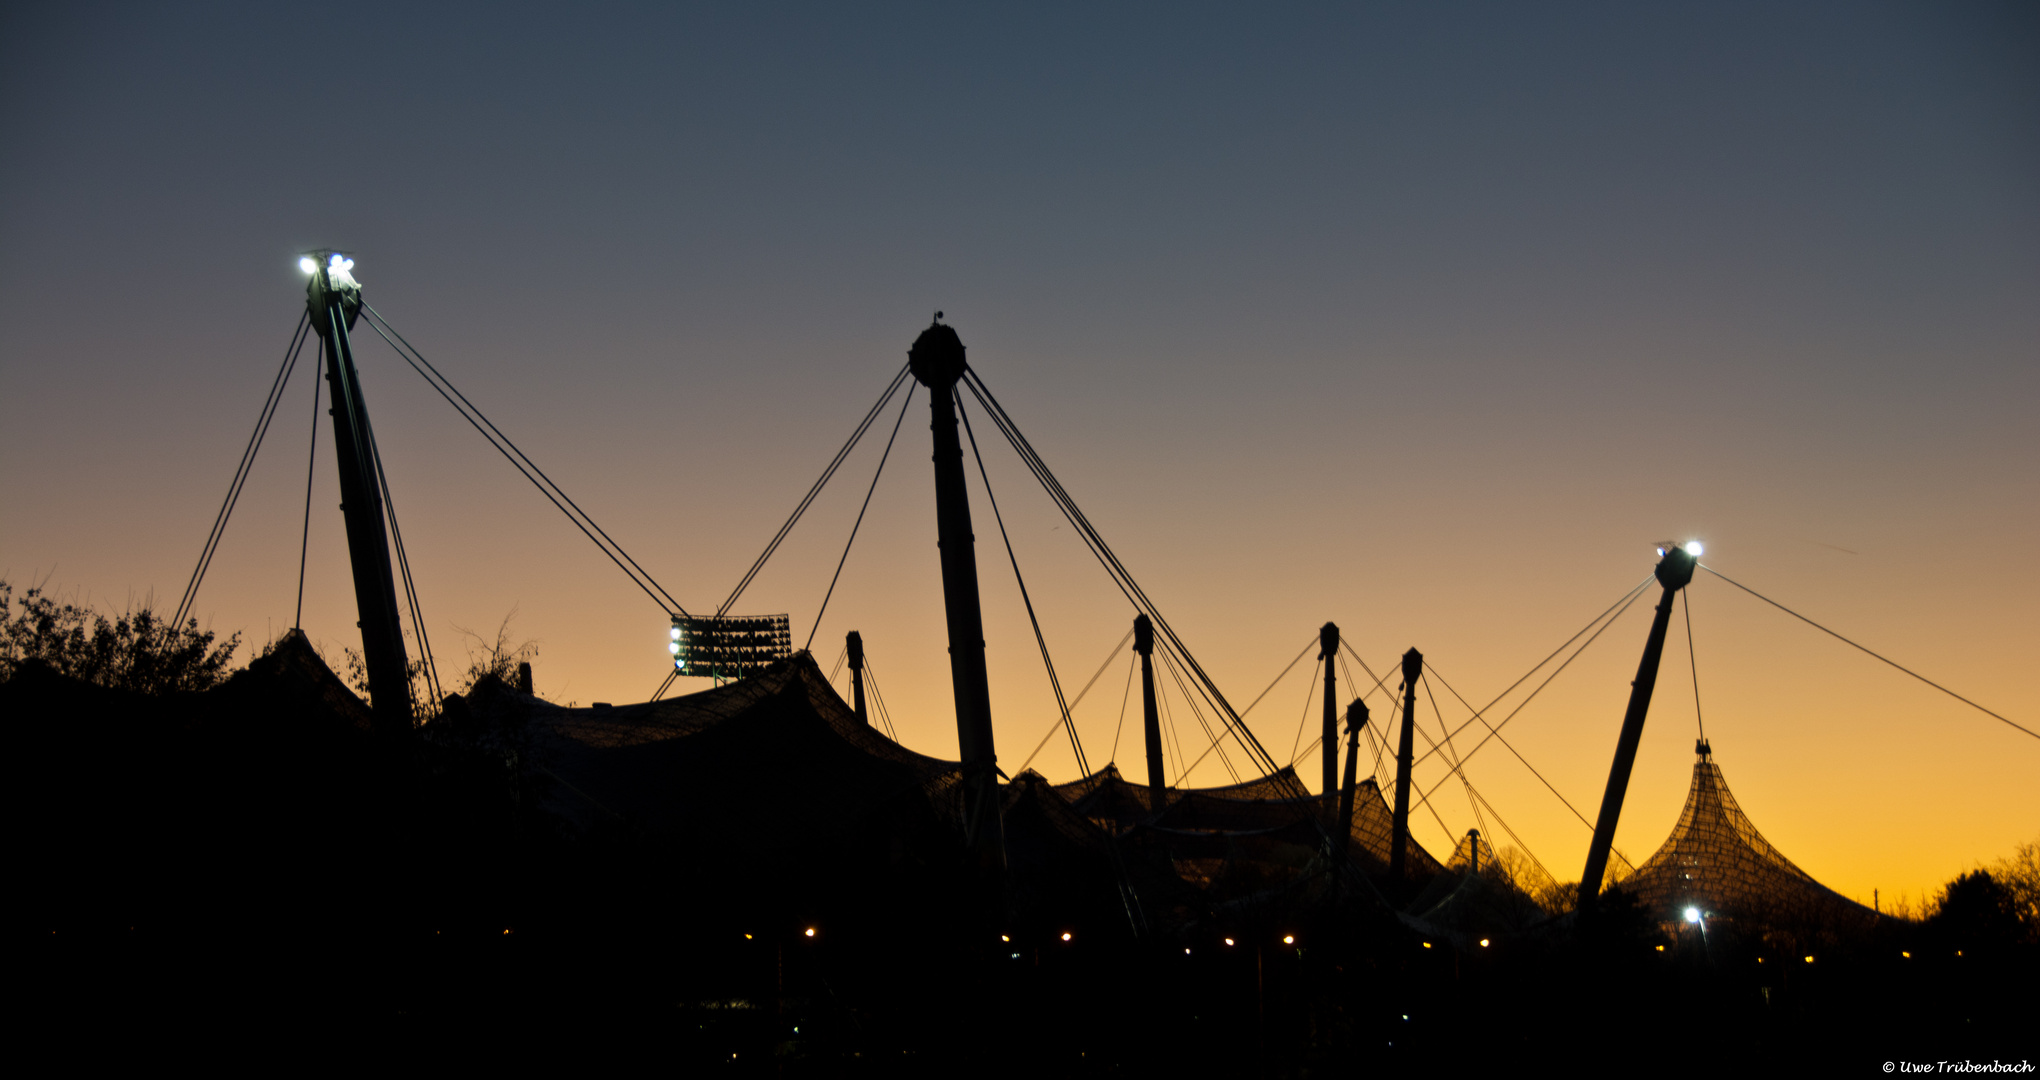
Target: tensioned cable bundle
(1079, 699)
(1604, 620)
(878, 708)
(1172, 739)
(382, 480)
(1693, 660)
(311, 467)
(1174, 664)
(1062, 705)
(1424, 802)
(219, 527)
(1125, 696)
(1549, 878)
(1494, 730)
(1431, 669)
(1176, 658)
(1114, 569)
(835, 463)
(668, 681)
(1312, 643)
(859, 523)
(522, 463)
(1300, 654)
(794, 518)
(1303, 721)
(1846, 641)
(1473, 801)
(1394, 705)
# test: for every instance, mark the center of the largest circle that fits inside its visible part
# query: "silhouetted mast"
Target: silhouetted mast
(1673, 572)
(936, 359)
(1356, 718)
(1328, 651)
(334, 299)
(855, 644)
(1151, 722)
(1412, 670)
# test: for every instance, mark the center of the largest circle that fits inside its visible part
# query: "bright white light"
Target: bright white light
(1692, 915)
(673, 647)
(1693, 548)
(676, 633)
(1661, 552)
(339, 271)
(308, 264)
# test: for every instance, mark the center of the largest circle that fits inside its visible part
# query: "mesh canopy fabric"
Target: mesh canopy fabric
(780, 747)
(768, 767)
(1270, 818)
(1717, 861)
(1464, 852)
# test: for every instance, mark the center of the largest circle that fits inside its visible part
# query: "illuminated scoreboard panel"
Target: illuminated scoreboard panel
(730, 647)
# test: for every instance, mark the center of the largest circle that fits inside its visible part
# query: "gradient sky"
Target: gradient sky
(1429, 320)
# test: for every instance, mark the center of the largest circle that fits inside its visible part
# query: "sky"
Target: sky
(1429, 320)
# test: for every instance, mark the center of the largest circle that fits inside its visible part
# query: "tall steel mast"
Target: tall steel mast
(1674, 572)
(1399, 837)
(1151, 723)
(937, 360)
(853, 643)
(1328, 651)
(334, 300)
(1356, 718)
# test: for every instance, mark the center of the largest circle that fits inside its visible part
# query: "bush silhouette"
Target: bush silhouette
(1977, 911)
(138, 651)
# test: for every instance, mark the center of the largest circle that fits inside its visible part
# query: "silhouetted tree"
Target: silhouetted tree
(138, 651)
(1976, 911)
(2020, 874)
(496, 659)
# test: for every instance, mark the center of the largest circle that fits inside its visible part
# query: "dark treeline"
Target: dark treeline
(137, 650)
(212, 871)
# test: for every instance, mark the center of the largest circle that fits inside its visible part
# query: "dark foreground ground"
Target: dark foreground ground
(201, 880)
